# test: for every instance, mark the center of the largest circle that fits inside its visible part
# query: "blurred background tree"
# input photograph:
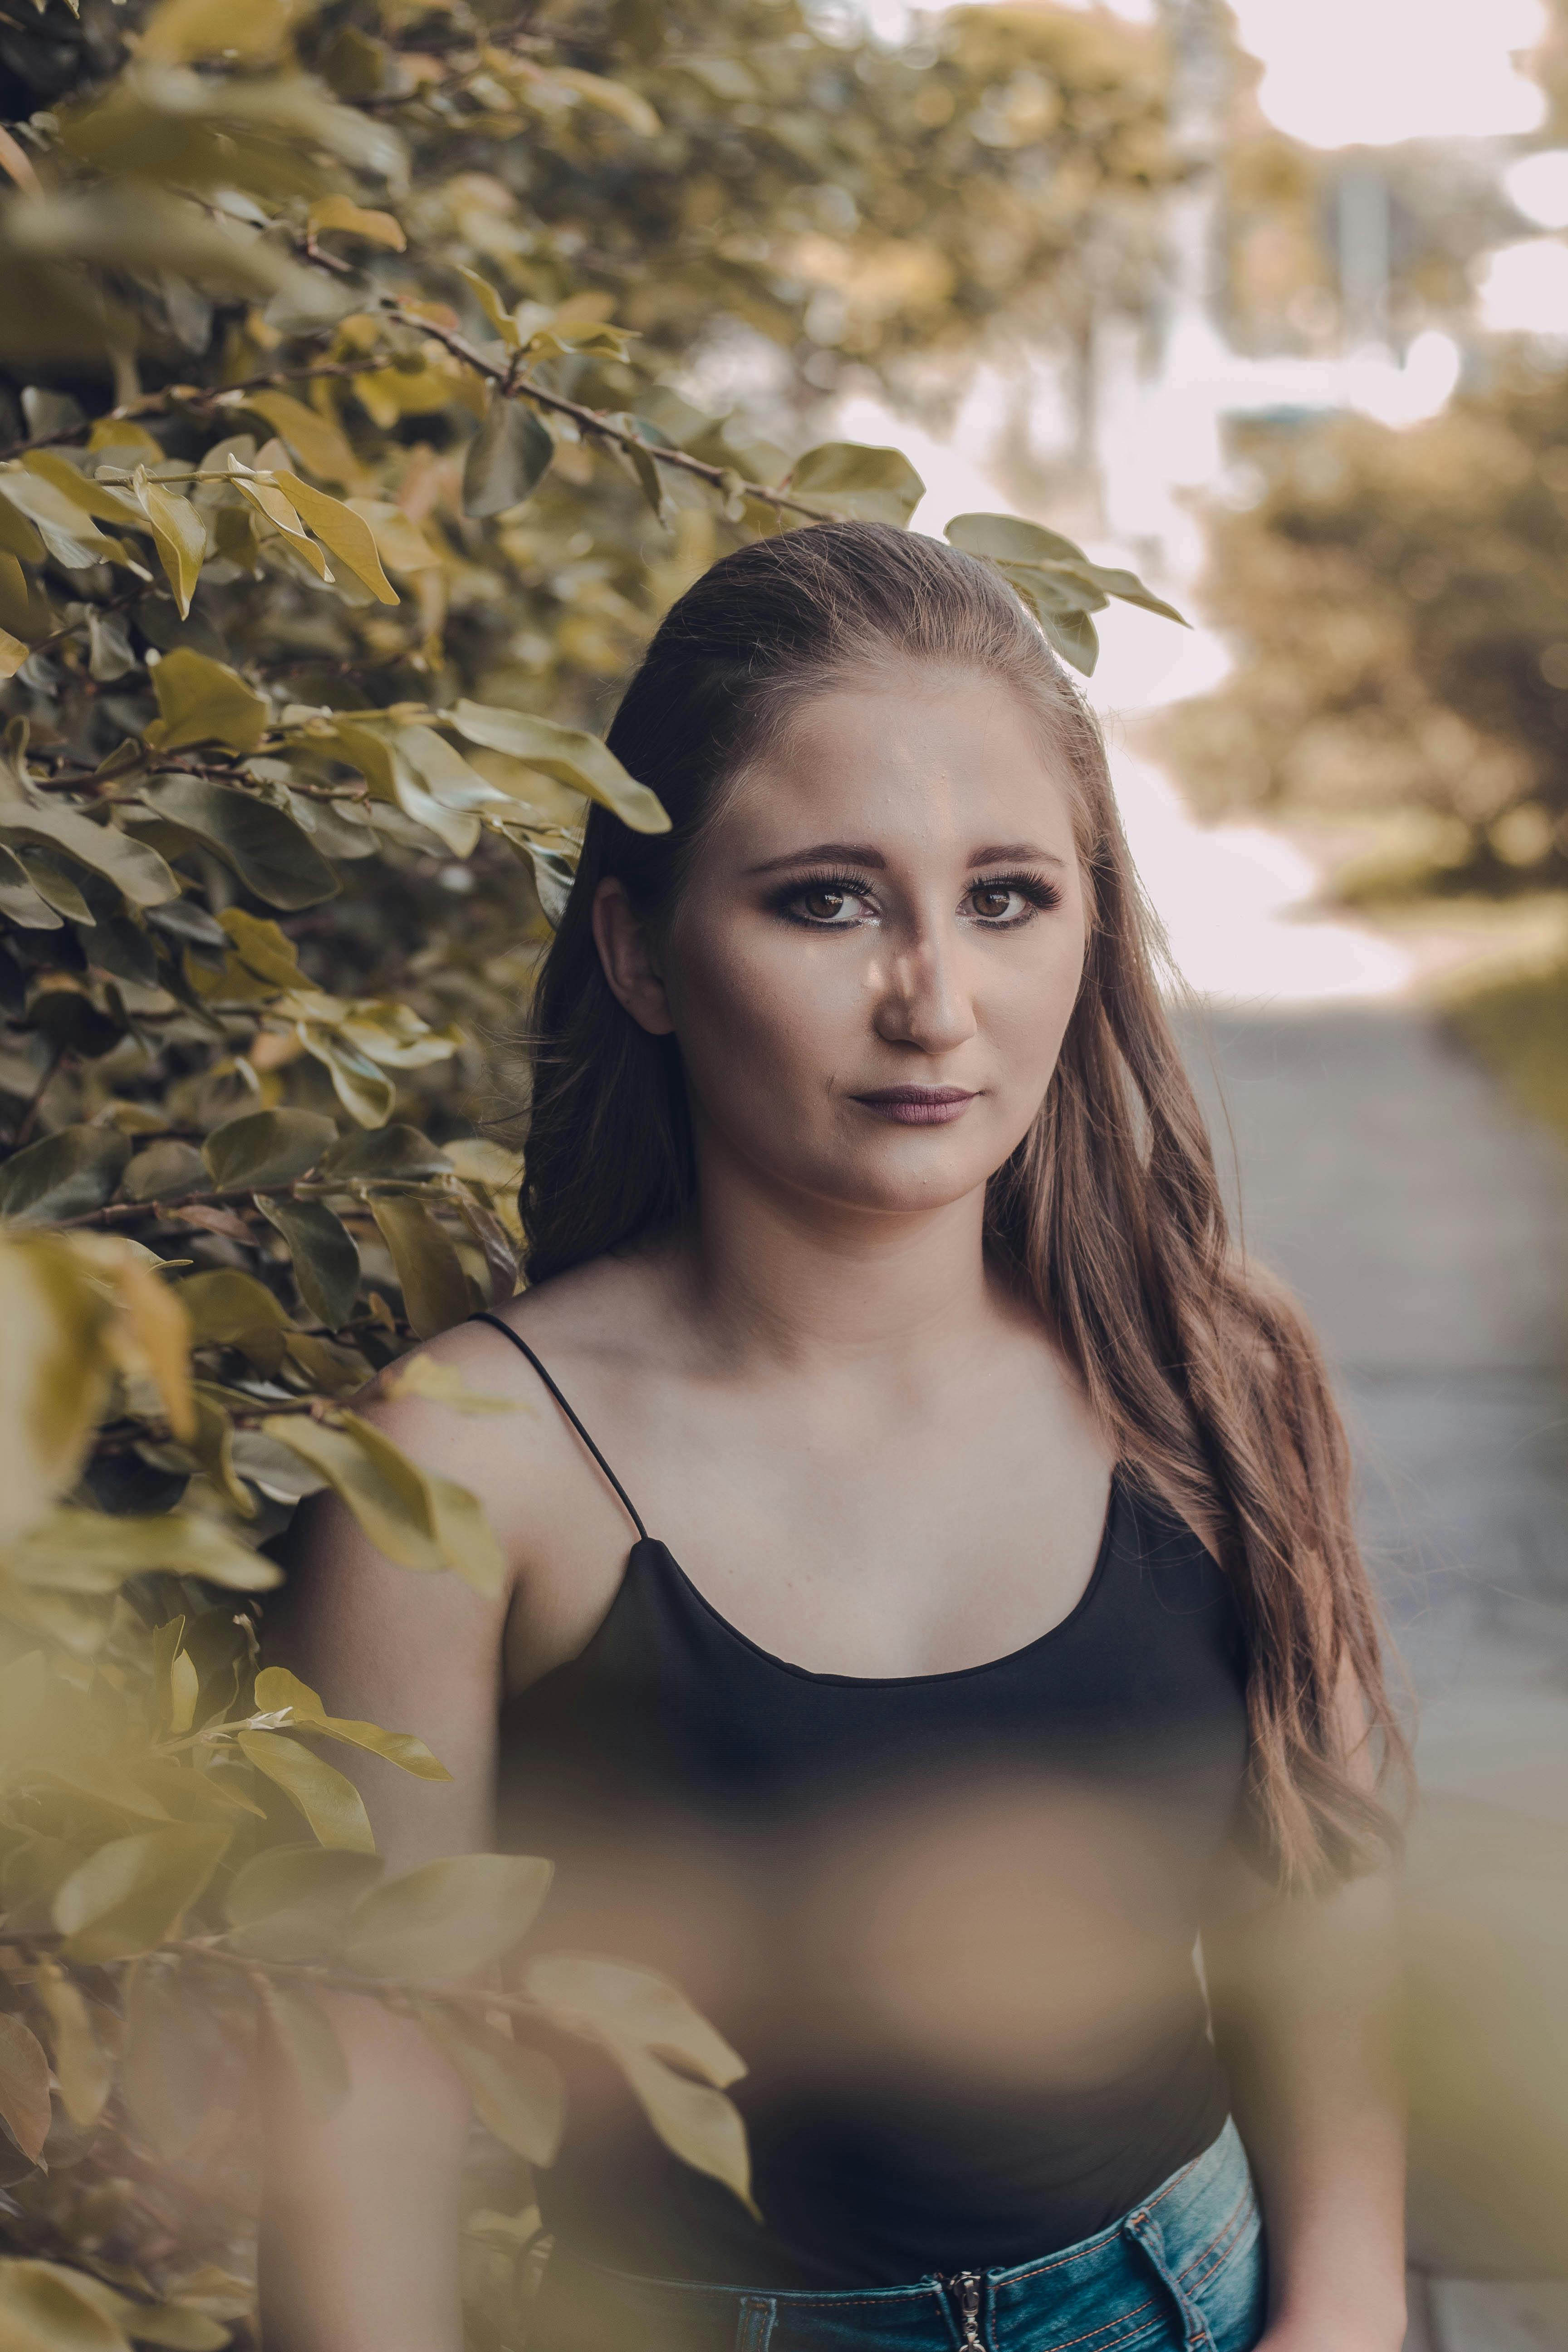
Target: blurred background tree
(370, 381)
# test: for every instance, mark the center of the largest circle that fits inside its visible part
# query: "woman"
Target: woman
(1019, 1637)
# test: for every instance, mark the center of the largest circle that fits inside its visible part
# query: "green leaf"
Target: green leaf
(517, 2091)
(435, 1287)
(75, 1550)
(44, 2307)
(138, 873)
(205, 701)
(468, 1541)
(324, 1253)
(19, 901)
(176, 2327)
(133, 1894)
(82, 2066)
(180, 32)
(54, 1371)
(447, 1918)
(1008, 540)
(494, 308)
(305, 2033)
(844, 478)
(13, 654)
(317, 444)
(298, 1878)
(366, 1093)
(267, 1147)
(69, 534)
(387, 1492)
(418, 1521)
(422, 1376)
(344, 531)
(51, 878)
(399, 1150)
(64, 1175)
(327, 1798)
(568, 754)
(227, 1308)
(638, 2016)
(263, 948)
(508, 458)
(180, 537)
(277, 1688)
(265, 848)
(343, 213)
(24, 2107)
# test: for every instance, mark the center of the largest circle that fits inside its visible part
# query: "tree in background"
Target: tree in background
(1398, 604)
(348, 448)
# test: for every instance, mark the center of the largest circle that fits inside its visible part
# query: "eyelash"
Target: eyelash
(1040, 895)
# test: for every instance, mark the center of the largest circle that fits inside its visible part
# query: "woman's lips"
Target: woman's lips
(917, 1106)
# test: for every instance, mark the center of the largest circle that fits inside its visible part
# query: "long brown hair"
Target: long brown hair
(1109, 1211)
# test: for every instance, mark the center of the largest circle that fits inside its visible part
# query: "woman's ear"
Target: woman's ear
(621, 938)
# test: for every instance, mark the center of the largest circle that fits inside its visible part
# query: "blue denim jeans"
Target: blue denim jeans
(1184, 2271)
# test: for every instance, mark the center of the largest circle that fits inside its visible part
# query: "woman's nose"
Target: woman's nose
(924, 1002)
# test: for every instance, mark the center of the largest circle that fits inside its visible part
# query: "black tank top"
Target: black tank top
(947, 1920)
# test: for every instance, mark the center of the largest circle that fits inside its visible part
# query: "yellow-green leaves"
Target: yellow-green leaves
(844, 478)
(133, 1892)
(422, 1376)
(517, 2092)
(54, 1373)
(1055, 580)
(339, 528)
(446, 1919)
(82, 2066)
(75, 1550)
(64, 1174)
(324, 1253)
(180, 537)
(327, 1798)
(508, 458)
(567, 754)
(267, 1147)
(643, 2020)
(337, 212)
(317, 444)
(203, 701)
(435, 1287)
(141, 875)
(265, 848)
(417, 1519)
(180, 32)
(279, 1693)
(24, 2086)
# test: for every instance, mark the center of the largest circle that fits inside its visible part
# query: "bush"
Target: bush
(343, 465)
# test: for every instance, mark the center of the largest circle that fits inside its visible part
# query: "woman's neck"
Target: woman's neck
(770, 1272)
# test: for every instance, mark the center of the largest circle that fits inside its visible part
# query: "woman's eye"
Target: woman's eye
(997, 901)
(823, 903)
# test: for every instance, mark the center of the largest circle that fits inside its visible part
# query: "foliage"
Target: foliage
(1398, 604)
(350, 445)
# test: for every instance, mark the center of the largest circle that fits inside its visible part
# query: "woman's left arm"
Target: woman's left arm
(1304, 1994)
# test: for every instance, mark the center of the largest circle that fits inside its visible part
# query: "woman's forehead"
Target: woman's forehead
(940, 766)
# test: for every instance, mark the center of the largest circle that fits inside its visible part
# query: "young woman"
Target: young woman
(1018, 1680)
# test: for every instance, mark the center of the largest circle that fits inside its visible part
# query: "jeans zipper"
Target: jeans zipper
(965, 2285)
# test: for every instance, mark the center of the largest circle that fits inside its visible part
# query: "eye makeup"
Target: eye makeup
(793, 900)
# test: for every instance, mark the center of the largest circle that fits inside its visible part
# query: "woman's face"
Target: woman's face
(874, 960)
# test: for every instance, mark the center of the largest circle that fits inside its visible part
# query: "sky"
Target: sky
(1343, 72)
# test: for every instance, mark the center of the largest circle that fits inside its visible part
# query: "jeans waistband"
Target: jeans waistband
(1152, 2264)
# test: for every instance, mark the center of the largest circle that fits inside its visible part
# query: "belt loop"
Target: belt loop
(1146, 2233)
(755, 2331)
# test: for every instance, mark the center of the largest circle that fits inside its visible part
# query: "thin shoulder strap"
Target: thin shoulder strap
(631, 1507)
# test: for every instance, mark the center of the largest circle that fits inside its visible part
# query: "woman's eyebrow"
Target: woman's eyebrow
(824, 853)
(1016, 853)
(858, 853)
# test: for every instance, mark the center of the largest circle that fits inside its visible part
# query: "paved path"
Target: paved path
(1425, 1225)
